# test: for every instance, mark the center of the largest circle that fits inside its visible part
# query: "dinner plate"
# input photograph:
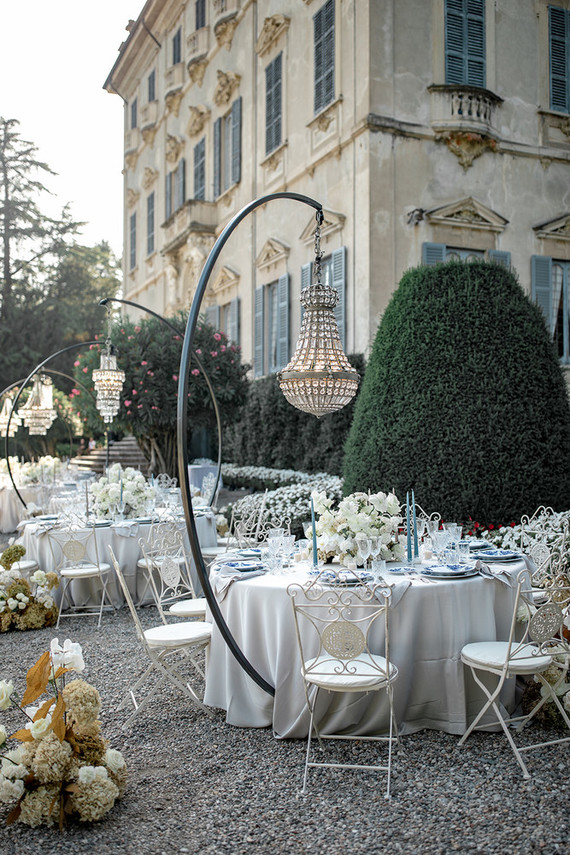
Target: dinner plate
(435, 574)
(450, 570)
(143, 520)
(47, 517)
(475, 545)
(499, 554)
(347, 578)
(102, 523)
(249, 553)
(244, 566)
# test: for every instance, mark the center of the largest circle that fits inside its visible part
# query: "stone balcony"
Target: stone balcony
(174, 78)
(193, 217)
(132, 139)
(198, 44)
(465, 109)
(149, 114)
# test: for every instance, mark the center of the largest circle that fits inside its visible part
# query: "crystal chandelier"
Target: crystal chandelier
(108, 380)
(38, 412)
(15, 421)
(319, 379)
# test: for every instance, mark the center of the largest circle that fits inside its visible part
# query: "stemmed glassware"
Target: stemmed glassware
(364, 547)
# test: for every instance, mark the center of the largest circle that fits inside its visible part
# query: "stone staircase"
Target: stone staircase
(126, 452)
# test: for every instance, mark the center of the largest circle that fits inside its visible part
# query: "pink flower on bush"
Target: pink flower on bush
(217, 336)
(198, 351)
(150, 373)
(144, 362)
(175, 377)
(139, 406)
(137, 329)
(213, 353)
(223, 348)
(128, 403)
(76, 364)
(85, 370)
(134, 392)
(195, 372)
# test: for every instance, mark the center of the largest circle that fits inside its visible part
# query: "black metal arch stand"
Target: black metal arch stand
(200, 366)
(182, 423)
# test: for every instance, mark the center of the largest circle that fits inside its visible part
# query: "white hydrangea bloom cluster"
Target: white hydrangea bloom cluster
(127, 485)
(262, 477)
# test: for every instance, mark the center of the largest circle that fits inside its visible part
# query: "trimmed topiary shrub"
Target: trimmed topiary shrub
(270, 432)
(463, 399)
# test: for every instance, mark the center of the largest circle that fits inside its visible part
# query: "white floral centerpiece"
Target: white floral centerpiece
(46, 469)
(372, 514)
(128, 486)
(62, 767)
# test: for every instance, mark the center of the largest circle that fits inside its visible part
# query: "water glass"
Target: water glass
(378, 568)
(464, 551)
(363, 544)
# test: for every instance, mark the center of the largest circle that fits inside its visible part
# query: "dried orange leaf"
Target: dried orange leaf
(44, 709)
(14, 814)
(37, 678)
(58, 719)
(23, 735)
(61, 670)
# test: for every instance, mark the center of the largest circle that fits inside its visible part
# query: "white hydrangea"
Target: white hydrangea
(10, 790)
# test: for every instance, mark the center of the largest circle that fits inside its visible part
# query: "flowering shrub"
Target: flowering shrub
(262, 477)
(128, 486)
(62, 767)
(24, 605)
(375, 514)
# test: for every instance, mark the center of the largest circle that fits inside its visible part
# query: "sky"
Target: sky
(54, 60)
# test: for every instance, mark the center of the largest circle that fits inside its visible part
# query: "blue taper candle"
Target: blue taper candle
(416, 547)
(408, 529)
(315, 557)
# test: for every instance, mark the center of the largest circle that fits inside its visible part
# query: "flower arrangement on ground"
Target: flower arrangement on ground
(62, 767)
(25, 604)
(127, 486)
(372, 514)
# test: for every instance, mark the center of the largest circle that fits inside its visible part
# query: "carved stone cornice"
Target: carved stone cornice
(172, 102)
(272, 252)
(224, 31)
(173, 148)
(196, 70)
(467, 213)
(227, 83)
(226, 279)
(466, 145)
(272, 29)
(132, 197)
(198, 117)
(557, 229)
(148, 134)
(149, 177)
(131, 158)
(333, 222)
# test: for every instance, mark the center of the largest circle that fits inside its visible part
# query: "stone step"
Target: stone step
(126, 452)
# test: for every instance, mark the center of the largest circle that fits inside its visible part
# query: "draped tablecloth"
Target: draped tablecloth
(12, 511)
(428, 628)
(124, 540)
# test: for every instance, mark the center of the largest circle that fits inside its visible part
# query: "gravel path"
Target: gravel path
(197, 785)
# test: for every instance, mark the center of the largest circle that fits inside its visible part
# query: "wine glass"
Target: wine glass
(363, 545)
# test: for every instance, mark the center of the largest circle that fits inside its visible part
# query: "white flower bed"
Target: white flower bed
(262, 477)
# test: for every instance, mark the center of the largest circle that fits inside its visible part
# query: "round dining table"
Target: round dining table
(430, 621)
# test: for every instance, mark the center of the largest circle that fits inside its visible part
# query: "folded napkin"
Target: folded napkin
(503, 573)
(126, 528)
(226, 574)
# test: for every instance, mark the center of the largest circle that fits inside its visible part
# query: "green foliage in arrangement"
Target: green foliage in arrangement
(463, 399)
(270, 432)
(149, 354)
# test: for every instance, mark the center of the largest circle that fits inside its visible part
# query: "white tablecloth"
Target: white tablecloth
(124, 540)
(12, 511)
(428, 628)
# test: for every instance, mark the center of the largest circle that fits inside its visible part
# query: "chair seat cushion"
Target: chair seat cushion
(192, 607)
(359, 675)
(178, 634)
(492, 655)
(84, 571)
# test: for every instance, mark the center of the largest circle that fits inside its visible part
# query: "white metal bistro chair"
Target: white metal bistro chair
(166, 647)
(340, 632)
(76, 559)
(168, 571)
(543, 645)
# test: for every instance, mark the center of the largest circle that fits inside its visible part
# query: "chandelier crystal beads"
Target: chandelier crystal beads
(15, 421)
(38, 412)
(108, 380)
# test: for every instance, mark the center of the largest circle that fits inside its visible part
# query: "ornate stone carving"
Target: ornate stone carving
(467, 213)
(173, 147)
(131, 158)
(565, 127)
(557, 229)
(272, 252)
(171, 274)
(272, 29)
(132, 197)
(149, 177)
(227, 278)
(323, 122)
(196, 71)
(224, 32)
(467, 146)
(173, 101)
(198, 117)
(148, 134)
(273, 161)
(227, 83)
(332, 222)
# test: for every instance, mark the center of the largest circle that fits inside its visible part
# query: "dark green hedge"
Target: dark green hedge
(463, 399)
(272, 433)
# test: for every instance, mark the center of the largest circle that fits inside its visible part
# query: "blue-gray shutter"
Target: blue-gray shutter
(233, 332)
(180, 186)
(339, 282)
(200, 169)
(134, 114)
(433, 253)
(213, 316)
(150, 224)
(258, 333)
(559, 31)
(306, 280)
(168, 194)
(541, 270)
(217, 158)
(236, 141)
(133, 241)
(273, 105)
(283, 320)
(500, 257)
(465, 42)
(323, 30)
(200, 14)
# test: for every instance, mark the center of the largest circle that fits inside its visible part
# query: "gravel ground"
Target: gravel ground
(197, 785)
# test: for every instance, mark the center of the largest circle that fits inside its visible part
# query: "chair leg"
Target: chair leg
(304, 790)
(491, 698)
(64, 595)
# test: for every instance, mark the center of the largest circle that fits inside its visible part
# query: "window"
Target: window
(437, 253)
(177, 46)
(225, 318)
(200, 14)
(271, 327)
(227, 149)
(134, 114)
(465, 42)
(323, 24)
(152, 86)
(200, 169)
(133, 242)
(150, 224)
(550, 280)
(333, 272)
(175, 194)
(273, 105)
(559, 37)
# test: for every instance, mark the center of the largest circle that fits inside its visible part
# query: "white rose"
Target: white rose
(12, 603)
(39, 577)
(39, 728)
(69, 656)
(114, 760)
(6, 692)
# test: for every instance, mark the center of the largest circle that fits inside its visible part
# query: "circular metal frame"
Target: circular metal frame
(182, 424)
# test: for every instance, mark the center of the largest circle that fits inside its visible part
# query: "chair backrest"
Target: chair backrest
(544, 629)
(128, 598)
(339, 626)
(72, 547)
(167, 566)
